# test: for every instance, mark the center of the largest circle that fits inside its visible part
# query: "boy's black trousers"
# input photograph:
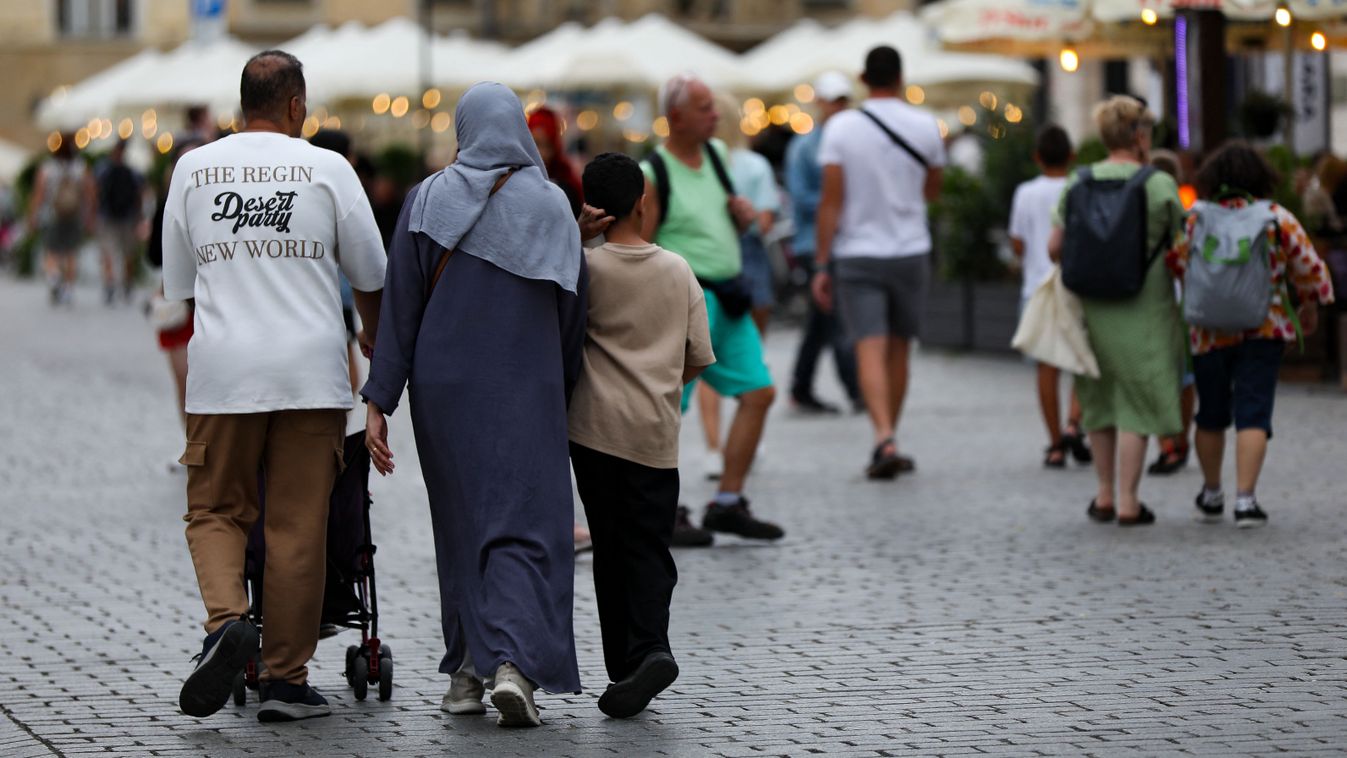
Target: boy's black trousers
(631, 510)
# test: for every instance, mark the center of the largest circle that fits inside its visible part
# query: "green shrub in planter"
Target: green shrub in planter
(965, 214)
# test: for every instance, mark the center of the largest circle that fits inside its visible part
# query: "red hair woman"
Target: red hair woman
(545, 125)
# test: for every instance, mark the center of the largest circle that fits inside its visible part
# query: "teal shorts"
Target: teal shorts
(739, 366)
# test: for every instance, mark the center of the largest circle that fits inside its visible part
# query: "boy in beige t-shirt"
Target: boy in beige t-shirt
(647, 337)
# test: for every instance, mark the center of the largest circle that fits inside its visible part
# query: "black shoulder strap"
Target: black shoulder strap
(661, 183)
(899, 141)
(719, 167)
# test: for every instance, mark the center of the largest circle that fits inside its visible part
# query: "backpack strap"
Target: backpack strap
(661, 184)
(719, 167)
(447, 254)
(899, 141)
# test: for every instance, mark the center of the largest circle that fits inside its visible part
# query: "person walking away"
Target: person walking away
(881, 164)
(697, 216)
(1030, 226)
(1128, 299)
(1173, 453)
(484, 322)
(62, 206)
(1252, 282)
(256, 228)
(647, 337)
(121, 202)
(340, 143)
(804, 180)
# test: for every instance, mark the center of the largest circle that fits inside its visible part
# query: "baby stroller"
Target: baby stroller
(350, 600)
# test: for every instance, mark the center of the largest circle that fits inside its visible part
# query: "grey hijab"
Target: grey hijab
(526, 228)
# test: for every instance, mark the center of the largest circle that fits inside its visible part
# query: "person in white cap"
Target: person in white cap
(804, 182)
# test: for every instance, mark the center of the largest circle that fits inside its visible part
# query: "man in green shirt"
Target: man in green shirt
(702, 222)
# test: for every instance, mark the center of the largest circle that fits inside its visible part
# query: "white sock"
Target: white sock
(1212, 496)
(1244, 501)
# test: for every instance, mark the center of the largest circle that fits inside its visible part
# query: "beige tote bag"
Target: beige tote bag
(1052, 329)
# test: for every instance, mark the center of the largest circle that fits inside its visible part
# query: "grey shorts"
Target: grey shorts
(882, 297)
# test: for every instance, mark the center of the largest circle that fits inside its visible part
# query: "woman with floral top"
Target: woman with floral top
(1237, 372)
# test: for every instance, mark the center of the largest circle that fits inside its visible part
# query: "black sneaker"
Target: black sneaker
(737, 519)
(283, 701)
(1250, 517)
(630, 696)
(1210, 512)
(808, 405)
(224, 653)
(687, 534)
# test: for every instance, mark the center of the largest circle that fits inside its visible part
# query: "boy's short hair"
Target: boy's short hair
(613, 182)
(1168, 162)
(1053, 146)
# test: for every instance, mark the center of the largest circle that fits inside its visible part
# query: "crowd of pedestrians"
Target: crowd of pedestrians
(553, 325)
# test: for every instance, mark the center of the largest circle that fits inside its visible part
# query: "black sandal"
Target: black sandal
(1074, 440)
(1055, 455)
(1102, 515)
(885, 463)
(1144, 517)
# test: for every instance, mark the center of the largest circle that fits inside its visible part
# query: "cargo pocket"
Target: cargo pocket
(198, 478)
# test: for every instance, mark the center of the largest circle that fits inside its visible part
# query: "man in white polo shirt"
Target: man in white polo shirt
(256, 227)
(881, 163)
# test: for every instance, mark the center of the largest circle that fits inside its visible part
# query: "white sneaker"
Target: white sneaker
(713, 463)
(464, 697)
(513, 697)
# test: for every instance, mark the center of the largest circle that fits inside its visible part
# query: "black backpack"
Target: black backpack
(1105, 254)
(119, 193)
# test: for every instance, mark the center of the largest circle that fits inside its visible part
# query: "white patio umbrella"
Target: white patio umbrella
(196, 72)
(459, 61)
(12, 160)
(100, 95)
(808, 50)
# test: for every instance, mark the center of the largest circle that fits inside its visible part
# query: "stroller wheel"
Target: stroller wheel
(360, 676)
(240, 689)
(386, 678)
(384, 652)
(351, 652)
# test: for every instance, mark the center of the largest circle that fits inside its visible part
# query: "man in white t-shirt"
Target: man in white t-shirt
(881, 164)
(256, 227)
(1030, 227)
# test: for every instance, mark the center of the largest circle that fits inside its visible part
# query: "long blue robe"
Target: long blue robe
(490, 360)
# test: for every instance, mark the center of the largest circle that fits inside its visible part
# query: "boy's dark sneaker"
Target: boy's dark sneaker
(737, 519)
(1250, 517)
(1210, 511)
(223, 654)
(687, 534)
(283, 701)
(630, 696)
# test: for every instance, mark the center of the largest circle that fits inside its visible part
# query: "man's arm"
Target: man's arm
(935, 177)
(829, 211)
(367, 304)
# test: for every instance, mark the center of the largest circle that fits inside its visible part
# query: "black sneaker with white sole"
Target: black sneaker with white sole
(223, 654)
(283, 701)
(1210, 511)
(1250, 516)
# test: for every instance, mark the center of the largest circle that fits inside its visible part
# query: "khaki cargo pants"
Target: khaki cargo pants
(302, 455)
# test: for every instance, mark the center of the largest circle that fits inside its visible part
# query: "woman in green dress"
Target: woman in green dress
(1138, 341)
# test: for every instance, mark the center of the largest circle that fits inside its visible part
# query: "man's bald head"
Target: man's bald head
(271, 88)
(690, 108)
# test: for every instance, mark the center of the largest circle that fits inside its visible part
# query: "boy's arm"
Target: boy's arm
(697, 353)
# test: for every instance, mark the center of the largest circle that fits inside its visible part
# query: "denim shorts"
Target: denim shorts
(1238, 383)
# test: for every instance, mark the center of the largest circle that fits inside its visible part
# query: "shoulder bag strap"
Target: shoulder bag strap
(897, 140)
(444, 256)
(719, 167)
(661, 184)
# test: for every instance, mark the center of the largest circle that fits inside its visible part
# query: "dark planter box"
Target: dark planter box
(971, 315)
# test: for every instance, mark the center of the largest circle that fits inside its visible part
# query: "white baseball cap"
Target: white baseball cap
(832, 85)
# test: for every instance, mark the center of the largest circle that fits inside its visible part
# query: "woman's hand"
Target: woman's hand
(593, 222)
(376, 439)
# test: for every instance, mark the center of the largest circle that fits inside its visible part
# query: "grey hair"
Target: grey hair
(675, 92)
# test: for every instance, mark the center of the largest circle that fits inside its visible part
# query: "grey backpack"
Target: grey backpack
(1228, 285)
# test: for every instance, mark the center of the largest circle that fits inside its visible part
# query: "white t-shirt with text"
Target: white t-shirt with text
(1031, 222)
(256, 226)
(883, 197)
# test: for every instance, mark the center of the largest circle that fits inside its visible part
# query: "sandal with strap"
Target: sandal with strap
(885, 463)
(1173, 456)
(1055, 455)
(1074, 439)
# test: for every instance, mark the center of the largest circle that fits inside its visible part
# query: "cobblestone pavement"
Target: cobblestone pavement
(969, 608)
